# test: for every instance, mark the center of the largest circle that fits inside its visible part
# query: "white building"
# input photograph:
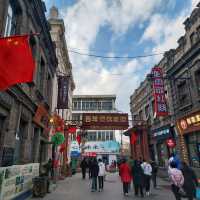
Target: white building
(99, 142)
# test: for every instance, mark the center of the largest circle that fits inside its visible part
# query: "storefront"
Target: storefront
(189, 138)
(163, 144)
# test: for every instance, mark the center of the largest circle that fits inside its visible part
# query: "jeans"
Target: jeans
(125, 187)
(175, 190)
(137, 188)
(147, 183)
(101, 180)
(94, 183)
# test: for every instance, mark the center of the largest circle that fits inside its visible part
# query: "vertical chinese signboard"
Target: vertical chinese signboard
(63, 86)
(160, 105)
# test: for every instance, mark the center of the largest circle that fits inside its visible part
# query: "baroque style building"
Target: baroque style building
(181, 69)
(25, 108)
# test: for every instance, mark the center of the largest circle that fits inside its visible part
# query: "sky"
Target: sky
(119, 28)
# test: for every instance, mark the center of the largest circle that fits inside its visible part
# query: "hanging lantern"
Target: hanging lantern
(133, 138)
(78, 139)
(62, 147)
(72, 129)
(58, 138)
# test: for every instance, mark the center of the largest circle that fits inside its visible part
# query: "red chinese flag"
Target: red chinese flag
(16, 61)
(133, 138)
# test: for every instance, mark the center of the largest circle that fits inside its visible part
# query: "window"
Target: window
(107, 135)
(197, 80)
(77, 105)
(41, 71)
(99, 135)
(183, 93)
(107, 105)
(141, 115)
(9, 21)
(147, 111)
(49, 89)
(111, 135)
(192, 38)
(103, 135)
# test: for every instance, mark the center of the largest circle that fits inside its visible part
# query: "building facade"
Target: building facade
(102, 142)
(25, 108)
(64, 69)
(181, 68)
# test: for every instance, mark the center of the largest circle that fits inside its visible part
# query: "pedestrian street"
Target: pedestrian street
(74, 188)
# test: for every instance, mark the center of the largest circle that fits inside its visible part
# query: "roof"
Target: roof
(93, 96)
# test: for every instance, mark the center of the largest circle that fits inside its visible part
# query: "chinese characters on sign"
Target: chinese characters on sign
(105, 121)
(63, 84)
(190, 122)
(160, 105)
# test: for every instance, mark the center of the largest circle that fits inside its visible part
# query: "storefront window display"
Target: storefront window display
(193, 145)
(163, 154)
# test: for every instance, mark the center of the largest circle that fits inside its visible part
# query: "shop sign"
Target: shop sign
(160, 105)
(89, 154)
(189, 123)
(171, 143)
(105, 121)
(17, 179)
(42, 117)
(63, 88)
(161, 133)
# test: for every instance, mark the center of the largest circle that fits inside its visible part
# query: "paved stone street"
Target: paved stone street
(75, 188)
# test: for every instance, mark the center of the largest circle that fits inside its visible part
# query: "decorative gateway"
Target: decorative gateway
(105, 121)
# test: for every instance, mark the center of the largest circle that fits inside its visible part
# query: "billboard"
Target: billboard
(105, 121)
(160, 104)
(63, 87)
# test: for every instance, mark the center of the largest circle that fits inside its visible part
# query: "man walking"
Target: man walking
(101, 174)
(83, 167)
(94, 174)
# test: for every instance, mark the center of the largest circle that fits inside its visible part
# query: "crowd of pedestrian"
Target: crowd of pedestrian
(96, 171)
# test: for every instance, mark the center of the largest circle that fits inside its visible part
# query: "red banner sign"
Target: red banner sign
(89, 154)
(105, 121)
(160, 106)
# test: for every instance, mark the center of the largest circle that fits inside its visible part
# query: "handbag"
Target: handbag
(197, 193)
(182, 192)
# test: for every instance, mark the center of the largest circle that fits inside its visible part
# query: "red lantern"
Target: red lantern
(133, 138)
(171, 143)
(72, 129)
(78, 139)
(62, 147)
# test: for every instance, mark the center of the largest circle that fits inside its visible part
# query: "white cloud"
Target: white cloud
(83, 22)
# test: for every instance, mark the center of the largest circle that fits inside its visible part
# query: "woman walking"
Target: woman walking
(147, 176)
(177, 179)
(125, 174)
(138, 178)
(190, 181)
(102, 172)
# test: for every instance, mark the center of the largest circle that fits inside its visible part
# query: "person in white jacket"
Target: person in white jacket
(147, 169)
(102, 171)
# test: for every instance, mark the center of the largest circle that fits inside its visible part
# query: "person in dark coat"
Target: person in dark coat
(154, 173)
(94, 174)
(83, 167)
(89, 168)
(190, 181)
(138, 178)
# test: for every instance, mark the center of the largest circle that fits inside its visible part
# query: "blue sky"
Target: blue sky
(119, 28)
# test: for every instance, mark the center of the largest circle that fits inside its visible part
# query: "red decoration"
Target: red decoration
(171, 143)
(133, 138)
(89, 154)
(16, 61)
(62, 147)
(72, 129)
(160, 105)
(59, 129)
(78, 139)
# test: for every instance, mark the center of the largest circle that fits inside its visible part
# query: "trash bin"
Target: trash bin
(40, 186)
